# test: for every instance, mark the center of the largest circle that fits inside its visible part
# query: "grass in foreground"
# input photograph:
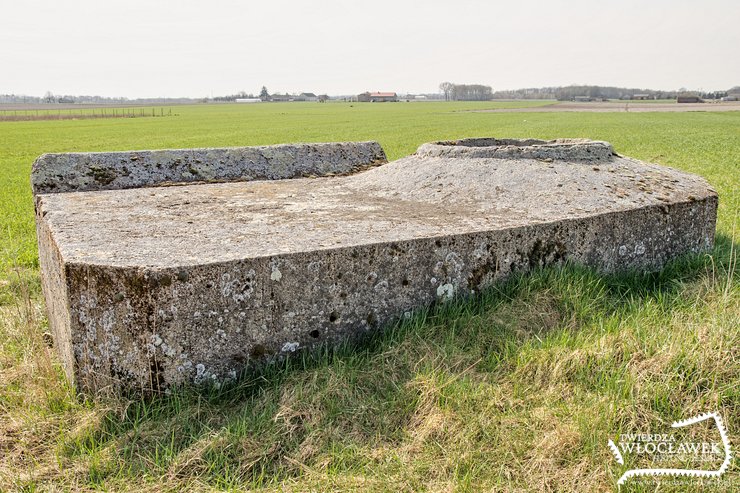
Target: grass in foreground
(518, 390)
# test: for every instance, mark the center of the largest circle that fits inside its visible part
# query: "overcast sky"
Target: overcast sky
(151, 48)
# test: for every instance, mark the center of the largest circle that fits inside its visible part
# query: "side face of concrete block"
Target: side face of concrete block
(54, 284)
(206, 280)
(150, 329)
(80, 172)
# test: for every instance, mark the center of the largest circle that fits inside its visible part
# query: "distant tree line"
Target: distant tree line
(450, 91)
(569, 93)
(465, 92)
(233, 97)
(51, 98)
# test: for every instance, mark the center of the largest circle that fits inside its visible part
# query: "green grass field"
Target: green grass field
(517, 390)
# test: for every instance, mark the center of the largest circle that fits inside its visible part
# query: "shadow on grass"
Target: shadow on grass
(320, 408)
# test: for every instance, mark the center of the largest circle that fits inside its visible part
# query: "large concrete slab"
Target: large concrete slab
(157, 286)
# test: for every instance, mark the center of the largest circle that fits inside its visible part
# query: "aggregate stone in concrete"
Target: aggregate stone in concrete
(152, 287)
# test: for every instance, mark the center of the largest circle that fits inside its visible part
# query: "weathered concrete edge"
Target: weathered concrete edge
(583, 150)
(80, 172)
(55, 287)
(709, 198)
(638, 256)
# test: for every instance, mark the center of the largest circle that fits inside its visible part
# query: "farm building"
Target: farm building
(732, 95)
(689, 99)
(641, 97)
(583, 99)
(248, 100)
(377, 97)
(306, 96)
(281, 97)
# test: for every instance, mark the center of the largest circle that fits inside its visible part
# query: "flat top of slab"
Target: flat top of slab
(432, 193)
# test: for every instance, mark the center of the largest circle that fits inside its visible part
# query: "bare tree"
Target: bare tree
(446, 88)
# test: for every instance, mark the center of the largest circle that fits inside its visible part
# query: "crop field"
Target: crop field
(519, 389)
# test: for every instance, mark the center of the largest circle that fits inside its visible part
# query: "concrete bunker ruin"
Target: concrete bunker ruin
(162, 268)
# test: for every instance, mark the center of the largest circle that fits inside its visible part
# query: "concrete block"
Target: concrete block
(150, 286)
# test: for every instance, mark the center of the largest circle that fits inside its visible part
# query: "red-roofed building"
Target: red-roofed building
(377, 97)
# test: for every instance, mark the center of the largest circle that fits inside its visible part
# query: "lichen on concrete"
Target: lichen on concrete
(208, 279)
